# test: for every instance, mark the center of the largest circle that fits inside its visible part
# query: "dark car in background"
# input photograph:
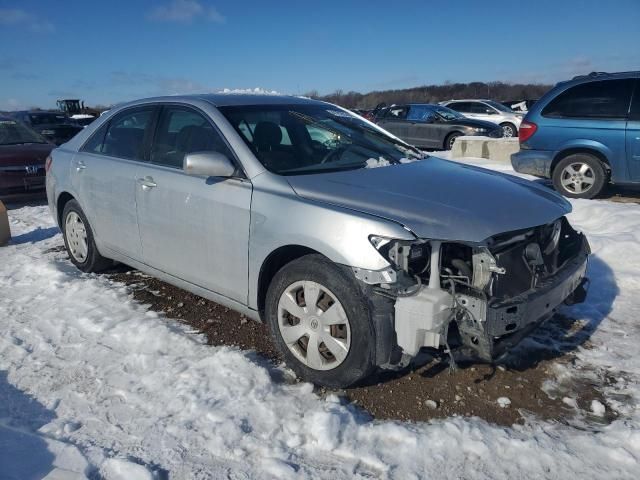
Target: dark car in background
(23, 155)
(56, 127)
(432, 126)
(584, 134)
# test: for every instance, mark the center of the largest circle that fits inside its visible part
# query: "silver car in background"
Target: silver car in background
(357, 249)
(490, 111)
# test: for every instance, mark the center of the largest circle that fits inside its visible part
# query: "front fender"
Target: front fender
(281, 218)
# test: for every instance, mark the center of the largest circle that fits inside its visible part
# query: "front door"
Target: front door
(193, 227)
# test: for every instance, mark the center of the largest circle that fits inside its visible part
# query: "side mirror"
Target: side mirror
(490, 111)
(209, 164)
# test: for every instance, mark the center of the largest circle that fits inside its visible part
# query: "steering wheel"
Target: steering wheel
(333, 155)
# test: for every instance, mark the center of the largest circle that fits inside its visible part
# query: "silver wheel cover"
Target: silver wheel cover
(577, 177)
(76, 235)
(314, 325)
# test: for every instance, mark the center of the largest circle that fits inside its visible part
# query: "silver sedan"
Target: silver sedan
(356, 248)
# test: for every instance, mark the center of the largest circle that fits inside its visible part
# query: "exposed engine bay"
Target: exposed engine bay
(481, 298)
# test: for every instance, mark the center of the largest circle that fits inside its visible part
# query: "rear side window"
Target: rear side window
(603, 99)
(123, 136)
(464, 107)
(180, 131)
(635, 103)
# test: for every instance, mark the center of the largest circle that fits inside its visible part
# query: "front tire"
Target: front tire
(579, 176)
(509, 130)
(450, 140)
(320, 321)
(79, 241)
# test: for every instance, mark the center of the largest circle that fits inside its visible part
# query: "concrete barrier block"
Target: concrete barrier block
(496, 149)
(5, 231)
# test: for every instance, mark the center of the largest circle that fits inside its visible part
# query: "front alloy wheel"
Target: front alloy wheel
(314, 325)
(508, 130)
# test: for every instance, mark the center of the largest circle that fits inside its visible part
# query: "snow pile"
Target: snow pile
(103, 386)
(250, 91)
(377, 162)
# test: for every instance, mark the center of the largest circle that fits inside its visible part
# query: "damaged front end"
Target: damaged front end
(481, 298)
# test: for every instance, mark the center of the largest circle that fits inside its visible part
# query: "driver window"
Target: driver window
(398, 113)
(420, 113)
(181, 131)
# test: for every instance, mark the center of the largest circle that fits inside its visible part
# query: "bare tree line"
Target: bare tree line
(435, 93)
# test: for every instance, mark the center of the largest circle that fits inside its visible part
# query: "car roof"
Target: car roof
(602, 76)
(234, 99)
(469, 100)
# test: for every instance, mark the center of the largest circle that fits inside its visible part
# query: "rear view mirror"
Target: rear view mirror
(209, 164)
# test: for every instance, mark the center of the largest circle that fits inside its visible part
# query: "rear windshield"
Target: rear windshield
(15, 133)
(304, 139)
(48, 119)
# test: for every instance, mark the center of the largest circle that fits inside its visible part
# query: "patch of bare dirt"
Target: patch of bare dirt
(524, 384)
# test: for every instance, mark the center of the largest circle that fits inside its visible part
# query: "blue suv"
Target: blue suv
(584, 134)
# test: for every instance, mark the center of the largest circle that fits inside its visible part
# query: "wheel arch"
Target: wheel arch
(277, 259)
(62, 200)
(574, 150)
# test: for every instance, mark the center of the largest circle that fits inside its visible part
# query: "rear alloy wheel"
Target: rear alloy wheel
(78, 239)
(320, 321)
(579, 176)
(509, 130)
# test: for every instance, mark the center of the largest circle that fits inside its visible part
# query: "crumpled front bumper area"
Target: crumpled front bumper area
(507, 322)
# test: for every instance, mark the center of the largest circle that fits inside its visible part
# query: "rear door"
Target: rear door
(193, 227)
(395, 121)
(104, 177)
(633, 136)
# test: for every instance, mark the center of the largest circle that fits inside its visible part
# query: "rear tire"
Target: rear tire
(450, 140)
(339, 321)
(580, 175)
(78, 240)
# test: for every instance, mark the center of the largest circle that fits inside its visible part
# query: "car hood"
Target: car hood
(25, 154)
(438, 199)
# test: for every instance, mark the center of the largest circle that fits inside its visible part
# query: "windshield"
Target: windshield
(499, 106)
(48, 119)
(304, 139)
(15, 133)
(447, 113)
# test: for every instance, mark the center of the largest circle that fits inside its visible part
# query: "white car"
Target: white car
(490, 111)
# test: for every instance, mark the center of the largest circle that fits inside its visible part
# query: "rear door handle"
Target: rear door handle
(147, 182)
(80, 166)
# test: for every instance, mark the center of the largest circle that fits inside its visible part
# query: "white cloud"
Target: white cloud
(18, 17)
(186, 11)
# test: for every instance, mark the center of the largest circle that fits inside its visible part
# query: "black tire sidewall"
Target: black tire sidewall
(94, 261)
(359, 362)
(600, 175)
(447, 142)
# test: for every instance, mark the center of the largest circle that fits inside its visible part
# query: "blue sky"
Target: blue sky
(112, 51)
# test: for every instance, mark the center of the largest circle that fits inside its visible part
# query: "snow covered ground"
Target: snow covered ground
(94, 385)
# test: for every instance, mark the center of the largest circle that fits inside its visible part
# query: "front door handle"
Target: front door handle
(147, 182)
(80, 166)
